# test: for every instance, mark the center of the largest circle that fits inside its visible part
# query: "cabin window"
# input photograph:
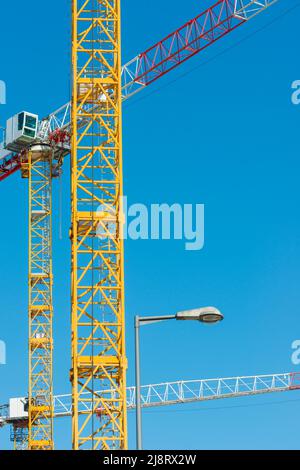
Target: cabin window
(20, 121)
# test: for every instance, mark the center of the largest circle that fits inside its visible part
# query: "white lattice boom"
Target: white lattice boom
(180, 392)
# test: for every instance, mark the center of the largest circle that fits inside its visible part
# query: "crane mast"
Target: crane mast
(38, 170)
(98, 340)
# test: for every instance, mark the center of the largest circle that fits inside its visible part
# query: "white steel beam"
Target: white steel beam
(180, 392)
(247, 9)
(60, 119)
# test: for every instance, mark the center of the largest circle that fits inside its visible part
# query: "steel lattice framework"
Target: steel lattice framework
(19, 437)
(97, 262)
(179, 46)
(189, 391)
(193, 37)
(40, 423)
(166, 394)
(98, 340)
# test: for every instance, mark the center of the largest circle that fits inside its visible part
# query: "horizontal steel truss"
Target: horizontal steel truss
(9, 165)
(187, 41)
(182, 44)
(173, 393)
(197, 34)
(181, 391)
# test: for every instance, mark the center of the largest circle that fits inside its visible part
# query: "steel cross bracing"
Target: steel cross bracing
(166, 394)
(172, 393)
(38, 169)
(185, 391)
(98, 337)
(176, 48)
(196, 35)
(193, 37)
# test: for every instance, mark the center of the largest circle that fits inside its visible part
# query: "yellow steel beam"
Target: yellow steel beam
(40, 408)
(98, 339)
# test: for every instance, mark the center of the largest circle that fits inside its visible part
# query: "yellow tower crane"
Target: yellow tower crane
(37, 167)
(98, 351)
(98, 340)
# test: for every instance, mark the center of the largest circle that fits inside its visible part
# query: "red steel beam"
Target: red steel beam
(191, 38)
(187, 41)
(295, 381)
(10, 166)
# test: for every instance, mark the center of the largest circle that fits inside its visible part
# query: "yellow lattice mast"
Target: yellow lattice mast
(38, 170)
(98, 341)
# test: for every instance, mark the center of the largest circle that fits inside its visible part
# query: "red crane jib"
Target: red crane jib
(193, 37)
(9, 166)
(179, 46)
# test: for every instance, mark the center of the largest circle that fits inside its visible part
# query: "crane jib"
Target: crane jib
(193, 37)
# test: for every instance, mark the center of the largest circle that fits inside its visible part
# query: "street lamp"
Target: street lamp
(208, 315)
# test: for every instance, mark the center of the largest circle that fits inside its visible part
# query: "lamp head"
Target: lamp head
(209, 315)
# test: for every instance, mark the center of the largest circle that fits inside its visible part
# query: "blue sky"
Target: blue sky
(221, 131)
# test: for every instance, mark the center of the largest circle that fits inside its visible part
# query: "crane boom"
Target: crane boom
(157, 395)
(187, 41)
(173, 393)
(179, 46)
(182, 391)
(147, 67)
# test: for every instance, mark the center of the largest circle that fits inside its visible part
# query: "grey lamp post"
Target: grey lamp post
(207, 315)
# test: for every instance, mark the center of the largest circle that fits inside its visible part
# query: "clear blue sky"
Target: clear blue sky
(220, 131)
